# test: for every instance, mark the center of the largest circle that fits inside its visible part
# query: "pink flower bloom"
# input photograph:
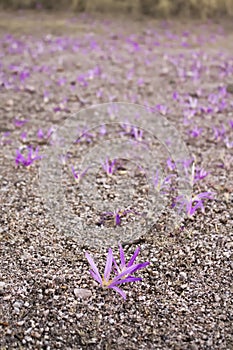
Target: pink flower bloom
(123, 273)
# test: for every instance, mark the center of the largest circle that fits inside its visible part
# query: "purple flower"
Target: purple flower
(195, 132)
(200, 174)
(192, 204)
(78, 175)
(85, 135)
(19, 122)
(170, 164)
(109, 166)
(162, 109)
(123, 273)
(136, 133)
(31, 156)
(219, 133)
(116, 215)
(162, 184)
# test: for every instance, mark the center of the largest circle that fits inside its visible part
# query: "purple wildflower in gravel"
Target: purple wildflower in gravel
(19, 122)
(31, 156)
(123, 273)
(162, 109)
(162, 185)
(200, 174)
(117, 215)
(109, 166)
(78, 175)
(192, 204)
(195, 132)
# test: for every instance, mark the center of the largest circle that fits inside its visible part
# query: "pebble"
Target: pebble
(82, 293)
(183, 275)
(2, 286)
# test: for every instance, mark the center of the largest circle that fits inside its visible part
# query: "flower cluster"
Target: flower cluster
(122, 273)
(192, 204)
(31, 156)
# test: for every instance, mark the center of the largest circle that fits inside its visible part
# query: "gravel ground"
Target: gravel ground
(53, 66)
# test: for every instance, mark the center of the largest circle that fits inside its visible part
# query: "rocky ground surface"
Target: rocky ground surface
(51, 67)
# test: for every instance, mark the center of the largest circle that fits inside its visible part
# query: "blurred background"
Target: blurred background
(155, 8)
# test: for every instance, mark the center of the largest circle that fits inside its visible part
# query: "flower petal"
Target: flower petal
(126, 280)
(93, 265)
(96, 277)
(130, 263)
(108, 265)
(122, 255)
(120, 291)
(139, 266)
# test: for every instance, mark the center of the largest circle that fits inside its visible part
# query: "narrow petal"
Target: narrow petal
(93, 265)
(108, 265)
(130, 263)
(126, 280)
(96, 277)
(120, 291)
(140, 266)
(115, 264)
(126, 272)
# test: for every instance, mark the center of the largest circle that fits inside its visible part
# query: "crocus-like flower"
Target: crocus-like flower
(116, 215)
(195, 132)
(124, 272)
(136, 133)
(78, 175)
(20, 122)
(192, 204)
(109, 166)
(31, 157)
(162, 184)
(162, 109)
(200, 174)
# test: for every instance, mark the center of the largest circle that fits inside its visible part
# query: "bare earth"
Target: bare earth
(52, 66)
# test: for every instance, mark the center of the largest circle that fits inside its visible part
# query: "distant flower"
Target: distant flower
(42, 135)
(116, 215)
(85, 135)
(195, 132)
(162, 184)
(109, 166)
(162, 109)
(123, 273)
(23, 136)
(219, 133)
(136, 133)
(78, 175)
(20, 122)
(31, 156)
(170, 164)
(200, 174)
(192, 204)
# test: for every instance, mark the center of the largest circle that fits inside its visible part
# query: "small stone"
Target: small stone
(17, 305)
(82, 293)
(2, 286)
(183, 276)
